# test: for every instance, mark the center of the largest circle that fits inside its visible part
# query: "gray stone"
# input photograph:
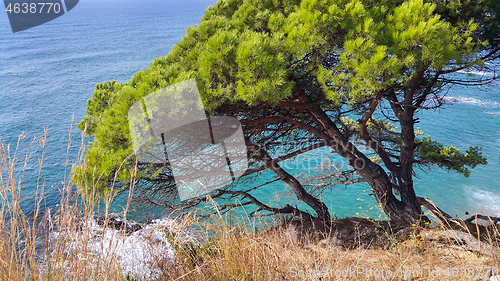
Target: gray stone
(464, 239)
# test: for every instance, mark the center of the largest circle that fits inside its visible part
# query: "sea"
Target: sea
(47, 74)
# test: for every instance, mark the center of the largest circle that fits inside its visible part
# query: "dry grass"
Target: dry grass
(351, 249)
(28, 248)
(292, 252)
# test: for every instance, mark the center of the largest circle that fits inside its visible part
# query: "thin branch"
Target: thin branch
(286, 210)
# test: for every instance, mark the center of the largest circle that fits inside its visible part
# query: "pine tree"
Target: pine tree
(309, 74)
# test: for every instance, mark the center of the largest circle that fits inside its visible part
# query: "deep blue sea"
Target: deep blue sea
(47, 74)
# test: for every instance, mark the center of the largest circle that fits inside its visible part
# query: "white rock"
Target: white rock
(139, 252)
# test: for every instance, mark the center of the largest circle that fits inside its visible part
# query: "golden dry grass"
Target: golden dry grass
(286, 254)
(28, 250)
(353, 249)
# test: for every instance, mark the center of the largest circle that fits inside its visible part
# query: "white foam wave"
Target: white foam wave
(487, 200)
(471, 101)
(140, 253)
(475, 72)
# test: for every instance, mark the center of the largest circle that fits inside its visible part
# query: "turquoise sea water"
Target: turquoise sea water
(47, 73)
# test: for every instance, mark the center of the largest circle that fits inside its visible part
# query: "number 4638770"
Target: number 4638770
(33, 8)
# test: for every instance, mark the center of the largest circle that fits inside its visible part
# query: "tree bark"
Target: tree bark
(374, 175)
(407, 154)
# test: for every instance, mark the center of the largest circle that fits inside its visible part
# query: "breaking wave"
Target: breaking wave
(486, 199)
(141, 253)
(471, 101)
(475, 72)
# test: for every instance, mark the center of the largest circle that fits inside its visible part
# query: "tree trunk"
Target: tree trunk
(407, 192)
(407, 154)
(374, 174)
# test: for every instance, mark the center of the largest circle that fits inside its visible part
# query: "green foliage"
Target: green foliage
(98, 104)
(449, 157)
(381, 45)
(485, 12)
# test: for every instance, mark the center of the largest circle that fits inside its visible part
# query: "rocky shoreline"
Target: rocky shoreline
(117, 224)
